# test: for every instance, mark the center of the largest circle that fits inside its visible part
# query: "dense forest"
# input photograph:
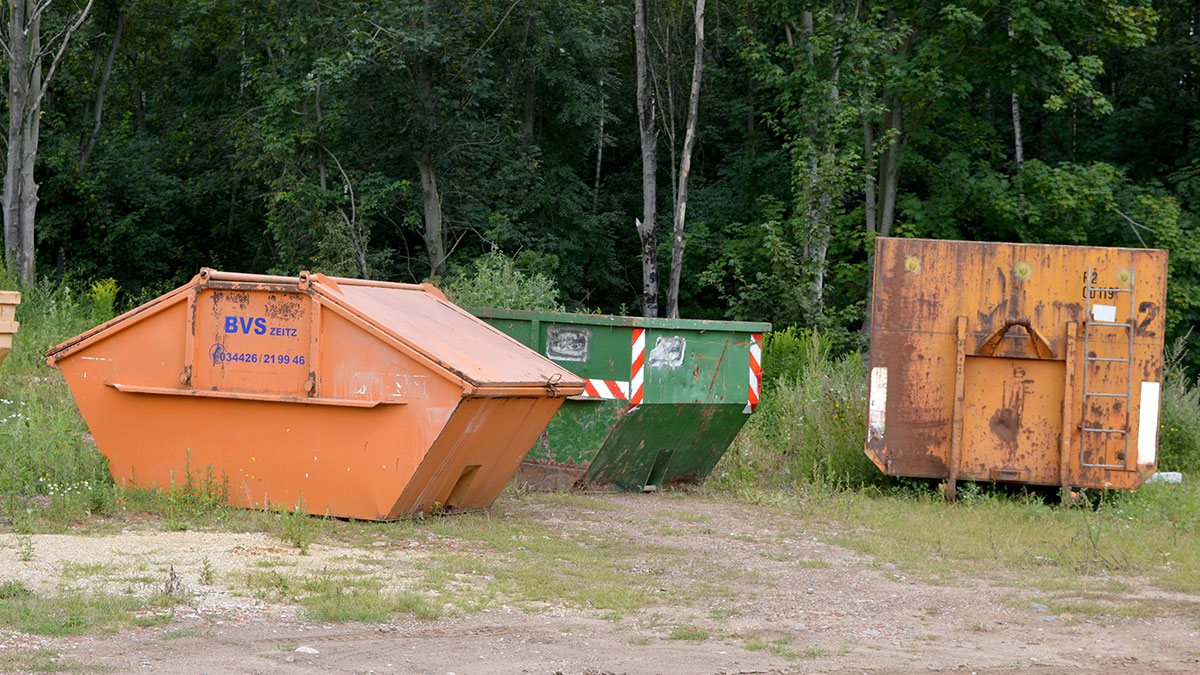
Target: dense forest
(765, 143)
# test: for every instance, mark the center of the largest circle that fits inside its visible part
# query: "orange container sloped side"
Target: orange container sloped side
(986, 364)
(482, 430)
(279, 394)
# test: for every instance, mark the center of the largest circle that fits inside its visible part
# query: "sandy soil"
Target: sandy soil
(837, 612)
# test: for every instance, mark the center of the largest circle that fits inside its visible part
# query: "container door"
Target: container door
(1012, 419)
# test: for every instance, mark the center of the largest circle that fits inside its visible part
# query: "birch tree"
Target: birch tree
(31, 66)
(648, 134)
(685, 165)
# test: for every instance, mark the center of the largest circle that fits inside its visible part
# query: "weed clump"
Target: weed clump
(808, 429)
(45, 448)
(1178, 433)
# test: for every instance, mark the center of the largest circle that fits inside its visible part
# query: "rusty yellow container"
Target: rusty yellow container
(1018, 363)
(344, 397)
(8, 321)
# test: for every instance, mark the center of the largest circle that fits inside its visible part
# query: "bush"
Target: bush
(494, 280)
(786, 354)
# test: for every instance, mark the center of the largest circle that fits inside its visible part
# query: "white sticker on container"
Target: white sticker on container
(668, 352)
(1147, 447)
(1104, 313)
(877, 409)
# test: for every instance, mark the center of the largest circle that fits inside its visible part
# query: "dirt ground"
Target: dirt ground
(837, 612)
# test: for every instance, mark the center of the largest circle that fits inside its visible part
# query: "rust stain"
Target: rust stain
(717, 368)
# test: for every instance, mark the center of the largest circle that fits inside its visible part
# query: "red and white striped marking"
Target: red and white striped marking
(755, 373)
(638, 370)
(607, 389)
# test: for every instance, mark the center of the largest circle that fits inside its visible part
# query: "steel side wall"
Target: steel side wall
(492, 433)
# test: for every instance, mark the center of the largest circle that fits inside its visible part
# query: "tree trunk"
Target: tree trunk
(24, 101)
(435, 242)
(819, 227)
(869, 210)
(26, 88)
(102, 89)
(18, 90)
(139, 108)
(599, 153)
(322, 180)
(29, 187)
(869, 173)
(599, 148)
(528, 116)
(1018, 145)
(685, 167)
(816, 245)
(649, 139)
(889, 169)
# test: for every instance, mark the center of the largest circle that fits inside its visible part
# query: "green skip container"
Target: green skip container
(663, 401)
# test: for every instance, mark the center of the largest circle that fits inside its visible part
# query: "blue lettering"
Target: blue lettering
(260, 326)
(231, 324)
(246, 323)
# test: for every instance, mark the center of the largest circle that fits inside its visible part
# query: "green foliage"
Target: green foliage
(288, 135)
(495, 280)
(785, 354)
(103, 296)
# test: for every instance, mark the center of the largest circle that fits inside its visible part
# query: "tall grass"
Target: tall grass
(1179, 423)
(44, 448)
(808, 429)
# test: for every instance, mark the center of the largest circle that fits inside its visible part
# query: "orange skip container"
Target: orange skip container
(345, 397)
(1017, 363)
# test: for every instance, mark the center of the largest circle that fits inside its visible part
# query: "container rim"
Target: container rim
(622, 321)
(1018, 243)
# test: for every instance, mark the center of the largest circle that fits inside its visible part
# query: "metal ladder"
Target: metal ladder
(1088, 360)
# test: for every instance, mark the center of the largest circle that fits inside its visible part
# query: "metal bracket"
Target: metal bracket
(1040, 347)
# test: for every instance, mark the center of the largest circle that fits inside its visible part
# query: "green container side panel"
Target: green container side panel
(594, 352)
(696, 367)
(577, 432)
(665, 444)
(521, 331)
